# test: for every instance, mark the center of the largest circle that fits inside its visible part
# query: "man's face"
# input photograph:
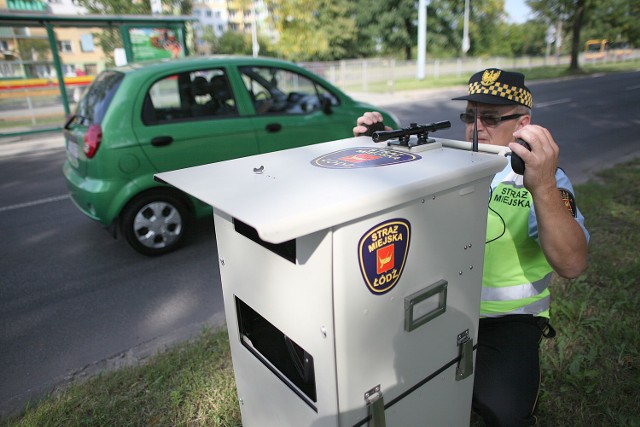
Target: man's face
(500, 133)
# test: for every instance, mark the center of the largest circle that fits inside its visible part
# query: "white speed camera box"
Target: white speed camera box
(351, 274)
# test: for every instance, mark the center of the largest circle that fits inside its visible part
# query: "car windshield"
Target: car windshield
(95, 101)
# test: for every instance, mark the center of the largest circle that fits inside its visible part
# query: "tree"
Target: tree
(295, 22)
(571, 12)
(337, 24)
(528, 38)
(615, 20)
(390, 25)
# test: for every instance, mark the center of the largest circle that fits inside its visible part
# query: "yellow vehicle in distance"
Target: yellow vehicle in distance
(603, 49)
(596, 49)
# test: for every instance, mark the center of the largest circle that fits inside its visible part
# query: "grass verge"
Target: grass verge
(534, 73)
(591, 370)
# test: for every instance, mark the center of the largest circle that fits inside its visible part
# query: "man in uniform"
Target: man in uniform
(534, 228)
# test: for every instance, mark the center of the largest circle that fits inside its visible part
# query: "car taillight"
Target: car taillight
(92, 140)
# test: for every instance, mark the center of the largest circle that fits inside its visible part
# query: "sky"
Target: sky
(518, 10)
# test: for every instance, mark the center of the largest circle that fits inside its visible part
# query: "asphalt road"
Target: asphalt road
(73, 301)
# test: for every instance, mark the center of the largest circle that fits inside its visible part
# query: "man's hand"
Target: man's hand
(541, 162)
(368, 119)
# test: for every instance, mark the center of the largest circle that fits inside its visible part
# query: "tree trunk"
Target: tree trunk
(577, 26)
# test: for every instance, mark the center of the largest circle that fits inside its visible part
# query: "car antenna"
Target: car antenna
(474, 146)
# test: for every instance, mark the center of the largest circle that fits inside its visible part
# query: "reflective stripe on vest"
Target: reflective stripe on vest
(516, 273)
(516, 292)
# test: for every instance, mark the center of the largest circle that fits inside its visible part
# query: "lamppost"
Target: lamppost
(466, 44)
(422, 37)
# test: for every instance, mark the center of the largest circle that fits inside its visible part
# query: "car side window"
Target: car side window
(279, 91)
(189, 96)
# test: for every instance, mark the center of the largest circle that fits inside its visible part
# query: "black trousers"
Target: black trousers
(507, 376)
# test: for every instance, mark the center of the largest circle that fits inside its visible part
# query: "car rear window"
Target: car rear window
(94, 103)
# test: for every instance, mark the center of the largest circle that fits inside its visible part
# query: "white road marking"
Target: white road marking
(34, 203)
(556, 102)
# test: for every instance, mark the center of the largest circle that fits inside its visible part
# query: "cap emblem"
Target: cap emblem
(489, 77)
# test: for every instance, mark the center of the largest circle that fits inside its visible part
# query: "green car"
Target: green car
(137, 120)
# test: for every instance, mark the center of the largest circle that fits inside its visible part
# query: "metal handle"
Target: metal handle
(161, 141)
(465, 364)
(375, 407)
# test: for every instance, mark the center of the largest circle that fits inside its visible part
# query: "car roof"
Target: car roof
(155, 66)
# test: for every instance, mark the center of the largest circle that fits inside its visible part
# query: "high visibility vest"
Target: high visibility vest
(516, 273)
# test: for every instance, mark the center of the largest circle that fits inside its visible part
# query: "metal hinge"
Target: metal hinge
(465, 364)
(375, 406)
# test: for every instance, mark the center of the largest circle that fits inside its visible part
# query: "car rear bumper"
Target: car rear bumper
(93, 197)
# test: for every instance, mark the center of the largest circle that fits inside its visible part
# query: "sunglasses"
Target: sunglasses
(488, 119)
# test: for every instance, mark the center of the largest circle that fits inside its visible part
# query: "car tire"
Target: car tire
(156, 222)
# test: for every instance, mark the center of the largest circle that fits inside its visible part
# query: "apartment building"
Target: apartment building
(220, 16)
(26, 51)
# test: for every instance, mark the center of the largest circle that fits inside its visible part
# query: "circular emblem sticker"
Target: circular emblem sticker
(382, 252)
(364, 157)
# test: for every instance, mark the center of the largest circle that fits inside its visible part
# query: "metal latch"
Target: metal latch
(375, 406)
(465, 364)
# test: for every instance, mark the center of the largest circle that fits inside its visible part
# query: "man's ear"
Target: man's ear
(524, 121)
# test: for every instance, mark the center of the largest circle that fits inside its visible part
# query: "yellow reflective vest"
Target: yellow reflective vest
(516, 273)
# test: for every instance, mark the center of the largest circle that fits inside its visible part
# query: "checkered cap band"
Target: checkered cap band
(512, 93)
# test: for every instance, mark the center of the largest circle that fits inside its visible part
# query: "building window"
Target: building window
(86, 43)
(64, 46)
(91, 69)
(69, 70)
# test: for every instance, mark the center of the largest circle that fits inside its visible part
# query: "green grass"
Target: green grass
(192, 385)
(591, 370)
(535, 73)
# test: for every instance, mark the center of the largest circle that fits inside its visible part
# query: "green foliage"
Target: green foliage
(336, 24)
(389, 25)
(295, 22)
(322, 30)
(526, 39)
(236, 44)
(116, 7)
(615, 20)
(33, 49)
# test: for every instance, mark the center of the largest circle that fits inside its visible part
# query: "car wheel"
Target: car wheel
(155, 223)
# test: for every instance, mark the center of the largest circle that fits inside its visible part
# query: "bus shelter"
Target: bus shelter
(138, 32)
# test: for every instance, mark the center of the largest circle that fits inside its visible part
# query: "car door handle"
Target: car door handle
(273, 127)
(161, 141)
